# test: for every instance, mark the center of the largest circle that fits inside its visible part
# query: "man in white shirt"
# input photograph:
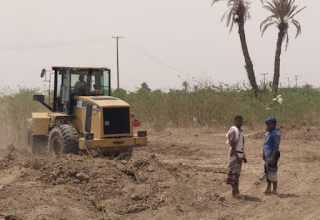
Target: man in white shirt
(236, 154)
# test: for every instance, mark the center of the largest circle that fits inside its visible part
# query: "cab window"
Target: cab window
(100, 83)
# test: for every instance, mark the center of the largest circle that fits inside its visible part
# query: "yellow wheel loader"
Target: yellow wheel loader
(84, 117)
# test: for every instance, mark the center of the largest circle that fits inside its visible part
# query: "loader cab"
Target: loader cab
(70, 82)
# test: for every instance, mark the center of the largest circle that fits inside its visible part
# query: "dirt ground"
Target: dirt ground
(180, 175)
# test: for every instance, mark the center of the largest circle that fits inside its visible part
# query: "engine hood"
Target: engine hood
(103, 101)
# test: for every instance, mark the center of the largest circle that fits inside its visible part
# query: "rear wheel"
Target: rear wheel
(64, 139)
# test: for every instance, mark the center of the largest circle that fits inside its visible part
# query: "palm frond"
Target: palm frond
(282, 13)
(292, 10)
(292, 16)
(266, 26)
(215, 1)
(268, 19)
(230, 17)
(297, 26)
(238, 10)
(271, 7)
(287, 40)
(231, 27)
(224, 15)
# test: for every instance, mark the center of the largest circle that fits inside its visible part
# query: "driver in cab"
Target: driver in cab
(80, 86)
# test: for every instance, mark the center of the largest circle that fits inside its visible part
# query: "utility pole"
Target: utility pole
(117, 39)
(264, 78)
(288, 78)
(296, 78)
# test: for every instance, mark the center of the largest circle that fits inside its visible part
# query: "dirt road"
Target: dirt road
(180, 175)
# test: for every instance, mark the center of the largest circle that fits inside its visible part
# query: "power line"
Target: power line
(48, 45)
(159, 61)
(23, 47)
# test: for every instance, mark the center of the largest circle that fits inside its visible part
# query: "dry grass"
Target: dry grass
(15, 110)
(201, 106)
(212, 106)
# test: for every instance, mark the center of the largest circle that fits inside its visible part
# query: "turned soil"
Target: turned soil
(179, 175)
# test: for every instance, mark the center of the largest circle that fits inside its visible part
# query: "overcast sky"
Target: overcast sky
(165, 42)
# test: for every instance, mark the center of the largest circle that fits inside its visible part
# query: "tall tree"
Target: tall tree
(283, 14)
(238, 13)
(185, 85)
(145, 87)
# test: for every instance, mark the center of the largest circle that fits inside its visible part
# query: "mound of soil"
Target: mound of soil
(113, 187)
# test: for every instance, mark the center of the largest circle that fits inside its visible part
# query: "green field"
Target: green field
(200, 106)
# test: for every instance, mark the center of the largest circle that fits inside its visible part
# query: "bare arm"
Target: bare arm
(233, 142)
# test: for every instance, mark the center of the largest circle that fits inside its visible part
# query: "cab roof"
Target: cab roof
(79, 68)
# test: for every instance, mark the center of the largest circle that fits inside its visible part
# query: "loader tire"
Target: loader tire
(63, 139)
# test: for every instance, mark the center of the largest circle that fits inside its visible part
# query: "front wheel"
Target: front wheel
(63, 139)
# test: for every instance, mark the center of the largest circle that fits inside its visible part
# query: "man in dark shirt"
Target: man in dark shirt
(80, 86)
(271, 153)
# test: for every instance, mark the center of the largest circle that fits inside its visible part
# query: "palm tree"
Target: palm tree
(238, 13)
(283, 14)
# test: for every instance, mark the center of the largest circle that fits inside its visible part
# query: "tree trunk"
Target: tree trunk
(276, 75)
(249, 65)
